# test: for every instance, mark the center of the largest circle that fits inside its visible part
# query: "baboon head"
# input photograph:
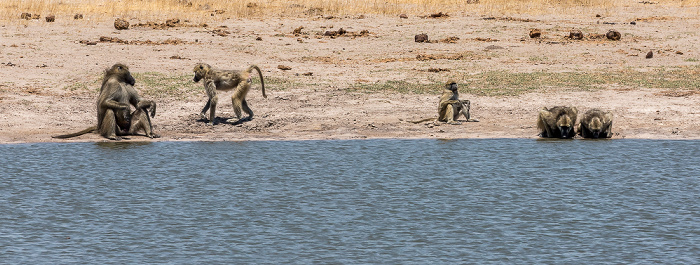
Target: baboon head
(565, 125)
(595, 126)
(451, 85)
(200, 70)
(121, 72)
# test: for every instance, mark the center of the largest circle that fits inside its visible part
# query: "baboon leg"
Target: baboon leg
(452, 114)
(543, 116)
(212, 109)
(203, 114)
(247, 110)
(108, 128)
(237, 106)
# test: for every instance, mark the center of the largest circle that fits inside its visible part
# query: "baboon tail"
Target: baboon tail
(262, 82)
(87, 130)
(423, 120)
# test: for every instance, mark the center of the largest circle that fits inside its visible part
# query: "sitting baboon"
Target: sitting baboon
(114, 116)
(596, 123)
(557, 122)
(225, 80)
(450, 107)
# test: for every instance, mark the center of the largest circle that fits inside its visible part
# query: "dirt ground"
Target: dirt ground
(41, 62)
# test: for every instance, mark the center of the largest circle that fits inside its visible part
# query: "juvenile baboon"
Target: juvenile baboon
(557, 122)
(225, 80)
(596, 123)
(114, 116)
(450, 107)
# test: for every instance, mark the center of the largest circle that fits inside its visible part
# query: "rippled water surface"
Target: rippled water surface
(500, 201)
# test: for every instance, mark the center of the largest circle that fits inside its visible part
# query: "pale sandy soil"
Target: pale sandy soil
(41, 62)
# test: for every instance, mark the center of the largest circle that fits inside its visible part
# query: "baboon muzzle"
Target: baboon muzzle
(130, 80)
(565, 132)
(196, 79)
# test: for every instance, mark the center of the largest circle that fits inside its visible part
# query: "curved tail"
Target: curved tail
(87, 130)
(262, 82)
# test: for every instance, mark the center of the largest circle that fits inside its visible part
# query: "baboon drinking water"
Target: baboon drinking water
(596, 123)
(450, 107)
(225, 80)
(557, 122)
(114, 116)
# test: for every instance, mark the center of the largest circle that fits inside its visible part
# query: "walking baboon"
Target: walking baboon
(225, 80)
(557, 122)
(596, 123)
(114, 116)
(450, 107)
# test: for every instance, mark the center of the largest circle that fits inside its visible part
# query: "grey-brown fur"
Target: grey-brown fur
(557, 122)
(596, 123)
(114, 116)
(225, 80)
(450, 107)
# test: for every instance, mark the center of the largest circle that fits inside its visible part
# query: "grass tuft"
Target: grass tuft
(502, 83)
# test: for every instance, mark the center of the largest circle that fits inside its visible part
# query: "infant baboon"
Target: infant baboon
(450, 107)
(595, 124)
(114, 116)
(557, 122)
(225, 80)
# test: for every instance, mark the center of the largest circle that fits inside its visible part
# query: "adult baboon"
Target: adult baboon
(450, 107)
(596, 123)
(557, 122)
(114, 116)
(225, 80)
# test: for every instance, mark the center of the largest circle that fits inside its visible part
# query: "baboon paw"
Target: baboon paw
(153, 135)
(473, 120)
(454, 123)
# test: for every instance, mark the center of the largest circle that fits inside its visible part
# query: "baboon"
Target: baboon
(450, 107)
(225, 80)
(595, 124)
(557, 122)
(114, 116)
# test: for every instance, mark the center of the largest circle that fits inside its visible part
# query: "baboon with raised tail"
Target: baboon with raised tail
(225, 80)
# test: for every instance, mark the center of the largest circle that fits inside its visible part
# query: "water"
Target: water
(499, 201)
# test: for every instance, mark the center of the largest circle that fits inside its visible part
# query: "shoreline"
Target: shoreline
(359, 87)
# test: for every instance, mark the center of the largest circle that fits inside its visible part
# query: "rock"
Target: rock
(535, 33)
(421, 37)
(650, 54)
(613, 35)
(297, 31)
(26, 16)
(50, 18)
(121, 24)
(403, 16)
(284, 67)
(172, 22)
(576, 35)
(78, 16)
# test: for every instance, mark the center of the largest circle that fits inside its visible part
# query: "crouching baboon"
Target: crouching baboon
(450, 107)
(225, 80)
(114, 116)
(596, 123)
(557, 122)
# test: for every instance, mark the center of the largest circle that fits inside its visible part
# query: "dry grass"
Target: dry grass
(203, 10)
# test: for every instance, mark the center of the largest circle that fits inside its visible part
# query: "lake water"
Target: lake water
(472, 201)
